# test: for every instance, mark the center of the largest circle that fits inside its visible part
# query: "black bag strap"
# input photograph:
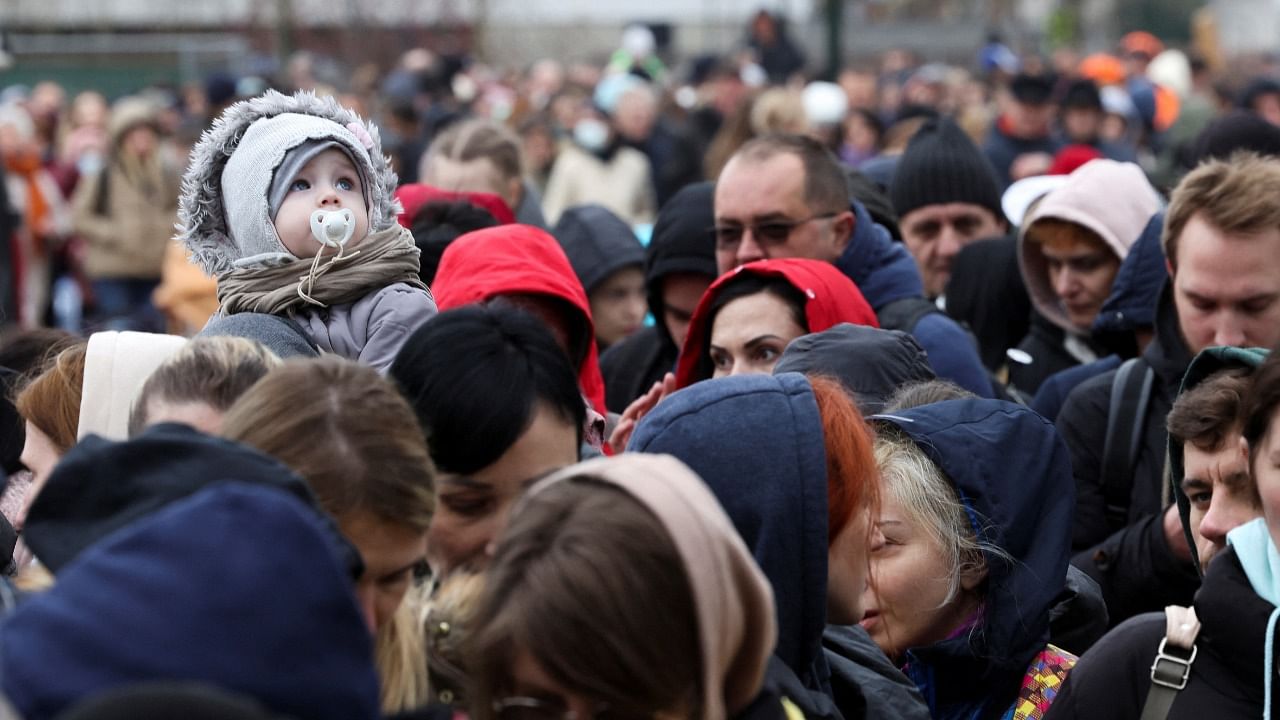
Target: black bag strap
(1126, 420)
(1171, 670)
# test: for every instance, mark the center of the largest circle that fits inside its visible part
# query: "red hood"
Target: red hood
(833, 299)
(413, 196)
(517, 260)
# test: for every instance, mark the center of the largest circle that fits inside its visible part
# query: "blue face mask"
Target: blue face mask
(1261, 562)
(591, 134)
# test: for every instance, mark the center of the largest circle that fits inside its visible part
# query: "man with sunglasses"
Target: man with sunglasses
(785, 196)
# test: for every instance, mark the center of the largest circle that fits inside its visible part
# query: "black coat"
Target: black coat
(1112, 679)
(683, 242)
(1045, 346)
(1133, 564)
(986, 294)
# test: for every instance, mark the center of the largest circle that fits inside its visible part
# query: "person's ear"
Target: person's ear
(1244, 451)
(1168, 266)
(515, 192)
(842, 227)
(972, 576)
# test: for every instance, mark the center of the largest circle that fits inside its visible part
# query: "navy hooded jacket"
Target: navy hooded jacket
(598, 244)
(1012, 472)
(1131, 306)
(884, 271)
(773, 487)
(239, 587)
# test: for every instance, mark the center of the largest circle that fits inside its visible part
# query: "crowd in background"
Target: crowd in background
(659, 387)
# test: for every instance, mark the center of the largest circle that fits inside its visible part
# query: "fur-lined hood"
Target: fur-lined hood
(202, 215)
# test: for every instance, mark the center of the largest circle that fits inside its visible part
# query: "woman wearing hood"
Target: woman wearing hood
(747, 317)
(525, 267)
(790, 460)
(1069, 250)
(970, 554)
(685, 632)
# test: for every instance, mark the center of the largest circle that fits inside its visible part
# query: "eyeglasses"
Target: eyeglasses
(529, 708)
(774, 232)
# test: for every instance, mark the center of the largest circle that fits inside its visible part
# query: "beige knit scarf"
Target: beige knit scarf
(382, 259)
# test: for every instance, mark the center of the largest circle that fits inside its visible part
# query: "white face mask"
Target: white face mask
(591, 134)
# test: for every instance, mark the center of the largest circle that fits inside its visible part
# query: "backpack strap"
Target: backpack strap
(1172, 667)
(1126, 420)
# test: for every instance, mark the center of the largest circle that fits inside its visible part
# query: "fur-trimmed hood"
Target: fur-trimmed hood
(202, 213)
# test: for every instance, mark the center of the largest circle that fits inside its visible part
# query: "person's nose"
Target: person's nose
(1065, 283)
(949, 243)
(329, 197)
(749, 250)
(1229, 331)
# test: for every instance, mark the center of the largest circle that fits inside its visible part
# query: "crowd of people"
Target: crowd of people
(707, 390)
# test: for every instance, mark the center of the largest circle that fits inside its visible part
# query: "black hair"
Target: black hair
(743, 285)
(438, 223)
(473, 376)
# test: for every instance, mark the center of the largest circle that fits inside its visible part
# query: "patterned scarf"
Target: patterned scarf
(382, 259)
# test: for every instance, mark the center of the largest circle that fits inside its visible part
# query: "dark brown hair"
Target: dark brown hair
(347, 432)
(589, 582)
(825, 186)
(51, 402)
(1260, 404)
(1204, 415)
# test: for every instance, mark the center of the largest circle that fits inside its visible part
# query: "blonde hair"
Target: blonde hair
(924, 493)
(400, 654)
(215, 371)
(778, 110)
(1236, 196)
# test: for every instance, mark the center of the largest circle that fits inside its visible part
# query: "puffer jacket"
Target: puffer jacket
(126, 212)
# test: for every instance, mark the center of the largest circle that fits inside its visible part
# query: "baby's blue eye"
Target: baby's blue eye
(299, 185)
(346, 184)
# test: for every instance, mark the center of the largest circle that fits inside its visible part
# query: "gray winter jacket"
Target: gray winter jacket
(371, 329)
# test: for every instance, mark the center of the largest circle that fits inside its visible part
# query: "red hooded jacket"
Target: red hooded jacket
(832, 299)
(517, 260)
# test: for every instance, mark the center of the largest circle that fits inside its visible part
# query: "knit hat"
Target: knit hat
(292, 164)
(942, 165)
(1239, 130)
(224, 213)
(247, 179)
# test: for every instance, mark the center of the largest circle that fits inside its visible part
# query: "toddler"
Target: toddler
(288, 203)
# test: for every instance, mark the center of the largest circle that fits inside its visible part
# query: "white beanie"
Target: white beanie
(246, 179)
(116, 366)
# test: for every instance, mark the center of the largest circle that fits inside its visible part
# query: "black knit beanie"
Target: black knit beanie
(942, 165)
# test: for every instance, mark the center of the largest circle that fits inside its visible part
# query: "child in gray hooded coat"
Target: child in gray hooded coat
(288, 203)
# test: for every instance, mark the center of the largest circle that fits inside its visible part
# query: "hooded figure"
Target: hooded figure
(830, 299)
(152, 601)
(1226, 678)
(1130, 311)
(601, 247)
(772, 483)
(683, 243)
(733, 601)
(871, 363)
(1104, 206)
(1011, 471)
(520, 261)
(363, 302)
(116, 366)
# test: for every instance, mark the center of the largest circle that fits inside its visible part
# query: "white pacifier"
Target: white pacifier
(333, 228)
